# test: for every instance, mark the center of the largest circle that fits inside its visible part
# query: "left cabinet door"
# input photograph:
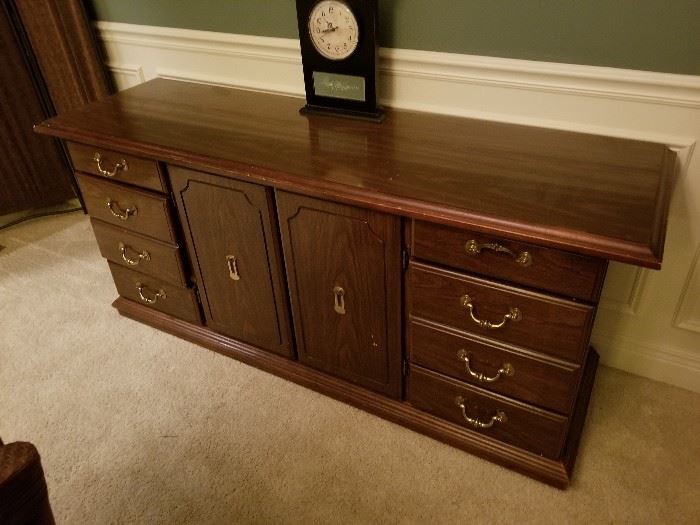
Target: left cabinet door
(234, 249)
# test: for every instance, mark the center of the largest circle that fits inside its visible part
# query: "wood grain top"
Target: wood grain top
(589, 194)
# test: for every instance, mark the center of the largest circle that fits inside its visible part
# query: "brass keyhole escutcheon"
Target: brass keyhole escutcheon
(232, 264)
(339, 300)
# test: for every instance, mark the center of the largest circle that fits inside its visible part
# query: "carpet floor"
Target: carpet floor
(137, 426)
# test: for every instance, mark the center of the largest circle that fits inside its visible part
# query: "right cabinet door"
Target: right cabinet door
(344, 272)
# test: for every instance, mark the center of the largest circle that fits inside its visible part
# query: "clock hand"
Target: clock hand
(330, 28)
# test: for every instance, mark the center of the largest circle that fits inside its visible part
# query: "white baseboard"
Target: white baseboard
(633, 104)
(679, 367)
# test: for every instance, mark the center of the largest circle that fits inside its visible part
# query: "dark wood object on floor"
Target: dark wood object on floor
(423, 269)
(24, 498)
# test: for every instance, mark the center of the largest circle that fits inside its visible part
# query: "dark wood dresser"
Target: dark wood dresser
(440, 272)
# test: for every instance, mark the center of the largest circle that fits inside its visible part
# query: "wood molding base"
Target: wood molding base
(555, 473)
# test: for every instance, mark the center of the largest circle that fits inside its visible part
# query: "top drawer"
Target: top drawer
(117, 166)
(552, 270)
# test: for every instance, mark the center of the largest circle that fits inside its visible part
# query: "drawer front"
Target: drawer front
(547, 269)
(117, 166)
(159, 295)
(136, 210)
(140, 253)
(528, 319)
(524, 426)
(493, 366)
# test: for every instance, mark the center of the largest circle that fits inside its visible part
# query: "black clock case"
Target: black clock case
(363, 62)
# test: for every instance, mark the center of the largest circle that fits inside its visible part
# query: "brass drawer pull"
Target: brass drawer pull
(339, 298)
(474, 248)
(505, 370)
(500, 416)
(233, 268)
(513, 315)
(119, 213)
(121, 165)
(160, 294)
(143, 256)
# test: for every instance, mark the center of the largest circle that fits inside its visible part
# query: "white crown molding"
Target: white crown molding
(269, 48)
(665, 88)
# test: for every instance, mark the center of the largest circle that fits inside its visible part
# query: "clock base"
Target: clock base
(344, 113)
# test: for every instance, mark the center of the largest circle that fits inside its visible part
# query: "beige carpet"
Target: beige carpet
(136, 426)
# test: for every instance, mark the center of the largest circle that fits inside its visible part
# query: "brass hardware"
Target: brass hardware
(513, 315)
(143, 256)
(160, 294)
(339, 297)
(505, 370)
(500, 416)
(233, 268)
(119, 213)
(474, 248)
(375, 345)
(121, 165)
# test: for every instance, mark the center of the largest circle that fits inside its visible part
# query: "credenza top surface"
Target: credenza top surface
(590, 194)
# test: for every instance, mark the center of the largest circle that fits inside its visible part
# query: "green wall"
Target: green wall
(655, 35)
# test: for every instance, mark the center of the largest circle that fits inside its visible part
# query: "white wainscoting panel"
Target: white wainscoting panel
(688, 315)
(648, 321)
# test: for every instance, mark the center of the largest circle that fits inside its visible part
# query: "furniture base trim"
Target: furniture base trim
(553, 472)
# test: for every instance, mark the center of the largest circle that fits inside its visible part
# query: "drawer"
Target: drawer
(168, 298)
(136, 210)
(498, 417)
(117, 166)
(552, 270)
(496, 367)
(539, 322)
(141, 253)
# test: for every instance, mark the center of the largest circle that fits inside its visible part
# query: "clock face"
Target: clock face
(333, 29)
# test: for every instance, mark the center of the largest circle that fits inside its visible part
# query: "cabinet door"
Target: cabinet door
(231, 235)
(344, 272)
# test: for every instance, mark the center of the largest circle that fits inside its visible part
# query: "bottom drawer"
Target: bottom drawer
(160, 295)
(522, 425)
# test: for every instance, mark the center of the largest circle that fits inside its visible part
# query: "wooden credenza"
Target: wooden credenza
(440, 272)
